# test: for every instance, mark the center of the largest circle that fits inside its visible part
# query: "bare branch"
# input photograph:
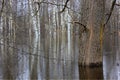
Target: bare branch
(117, 4)
(77, 22)
(111, 10)
(39, 3)
(48, 3)
(64, 6)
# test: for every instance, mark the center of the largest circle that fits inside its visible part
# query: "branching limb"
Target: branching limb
(64, 6)
(39, 3)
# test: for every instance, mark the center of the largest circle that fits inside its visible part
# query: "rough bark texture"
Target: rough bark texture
(90, 45)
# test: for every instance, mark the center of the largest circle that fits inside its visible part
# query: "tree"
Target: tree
(92, 14)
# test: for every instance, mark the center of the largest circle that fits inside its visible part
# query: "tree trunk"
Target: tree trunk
(93, 16)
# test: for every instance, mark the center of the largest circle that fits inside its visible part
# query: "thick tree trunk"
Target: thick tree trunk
(93, 16)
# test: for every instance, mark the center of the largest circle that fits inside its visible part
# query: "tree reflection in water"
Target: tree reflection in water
(111, 65)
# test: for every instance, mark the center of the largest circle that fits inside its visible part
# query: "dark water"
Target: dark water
(88, 73)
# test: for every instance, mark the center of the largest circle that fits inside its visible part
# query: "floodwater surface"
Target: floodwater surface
(88, 73)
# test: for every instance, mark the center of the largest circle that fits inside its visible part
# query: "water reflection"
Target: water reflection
(88, 73)
(59, 65)
(45, 68)
(64, 69)
(111, 65)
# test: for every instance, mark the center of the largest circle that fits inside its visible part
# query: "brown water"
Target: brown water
(87, 73)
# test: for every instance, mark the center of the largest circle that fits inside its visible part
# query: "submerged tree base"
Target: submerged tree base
(88, 73)
(92, 65)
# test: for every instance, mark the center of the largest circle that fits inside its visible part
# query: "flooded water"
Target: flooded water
(111, 65)
(39, 67)
(56, 69)
(89, 73)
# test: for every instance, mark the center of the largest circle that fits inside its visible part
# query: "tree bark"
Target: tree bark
(93, 16)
